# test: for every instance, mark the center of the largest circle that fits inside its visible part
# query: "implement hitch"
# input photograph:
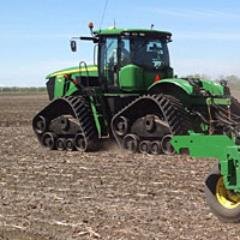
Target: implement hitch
(222, 185)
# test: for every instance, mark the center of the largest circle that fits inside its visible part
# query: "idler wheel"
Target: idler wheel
(48, 140)
(130, 142)
(167, 147)
(80, 142)
(156, 148)
(144, 146)
(70, 144)
(149, 123)
(61, 144)
(40, 125)
(121, 126)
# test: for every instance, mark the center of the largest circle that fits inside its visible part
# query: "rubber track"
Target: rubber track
(81, 111)
(170, 107)
(84, 115)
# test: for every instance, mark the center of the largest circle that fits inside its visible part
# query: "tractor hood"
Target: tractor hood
(90, 71)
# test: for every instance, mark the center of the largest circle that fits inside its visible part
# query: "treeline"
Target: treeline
(22, 89)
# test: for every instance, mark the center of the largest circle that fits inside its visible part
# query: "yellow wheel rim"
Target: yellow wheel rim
(226, 198)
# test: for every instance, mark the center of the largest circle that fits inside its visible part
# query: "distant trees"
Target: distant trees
(22, 89)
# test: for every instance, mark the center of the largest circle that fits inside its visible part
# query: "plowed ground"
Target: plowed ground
(111, 194)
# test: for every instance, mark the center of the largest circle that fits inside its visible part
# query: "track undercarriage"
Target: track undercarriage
(146, 125)
(67, 124)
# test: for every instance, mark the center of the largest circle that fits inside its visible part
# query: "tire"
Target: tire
(220, 204)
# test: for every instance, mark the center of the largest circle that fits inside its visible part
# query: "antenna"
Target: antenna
(103, 14)
(114, 23)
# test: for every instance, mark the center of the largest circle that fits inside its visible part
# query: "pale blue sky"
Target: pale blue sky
(34, 35)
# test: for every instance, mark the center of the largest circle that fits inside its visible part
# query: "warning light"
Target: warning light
(157, 78)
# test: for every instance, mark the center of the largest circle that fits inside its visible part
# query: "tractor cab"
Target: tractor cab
(130, 60)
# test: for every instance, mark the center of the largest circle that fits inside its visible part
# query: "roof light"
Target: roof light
(91, 25)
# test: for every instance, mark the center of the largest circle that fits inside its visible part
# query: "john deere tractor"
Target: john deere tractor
(132, 96)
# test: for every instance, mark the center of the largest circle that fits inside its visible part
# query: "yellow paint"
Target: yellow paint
(227, 199)
(76, 71)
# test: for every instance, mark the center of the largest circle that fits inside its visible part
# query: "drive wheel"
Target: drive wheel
(64, 123)
(224, 203)
(80, 142)
(167, 147)
(130, 142)
(149, 123)
(48, 140)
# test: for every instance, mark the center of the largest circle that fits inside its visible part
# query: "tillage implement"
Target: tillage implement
(130, 94)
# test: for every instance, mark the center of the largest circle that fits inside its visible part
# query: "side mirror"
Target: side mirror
(73, 45)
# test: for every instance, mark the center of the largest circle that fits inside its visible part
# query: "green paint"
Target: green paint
(131, 78)
(181, 83)
(217, 146)
(121, 31)
(214, 88)
(218, 101)
(72, 89)
(59, 86)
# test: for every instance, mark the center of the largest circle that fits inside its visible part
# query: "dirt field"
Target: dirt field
(106, 195)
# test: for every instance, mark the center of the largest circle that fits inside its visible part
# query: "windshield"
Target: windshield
(150, 53)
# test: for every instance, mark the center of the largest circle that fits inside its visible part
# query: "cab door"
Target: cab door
(108, 59)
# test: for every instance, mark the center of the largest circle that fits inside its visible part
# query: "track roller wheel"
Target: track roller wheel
(121, 126)
(80, 142)
(48, 140)
(70, 144)
(149, 123)
(167, 147)
(61, 144)
(40, 125)
(225, 204)
(144, 146)
(130, 142)
(155, 148)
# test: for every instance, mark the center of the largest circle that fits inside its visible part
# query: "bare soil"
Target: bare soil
(110, 194)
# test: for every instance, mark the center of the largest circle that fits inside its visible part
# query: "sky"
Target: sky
(34, 35)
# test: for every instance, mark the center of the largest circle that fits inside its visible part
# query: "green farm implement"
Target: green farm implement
(222, 185)
(132, 96)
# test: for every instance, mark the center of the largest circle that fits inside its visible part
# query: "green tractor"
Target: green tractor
(132, 96)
